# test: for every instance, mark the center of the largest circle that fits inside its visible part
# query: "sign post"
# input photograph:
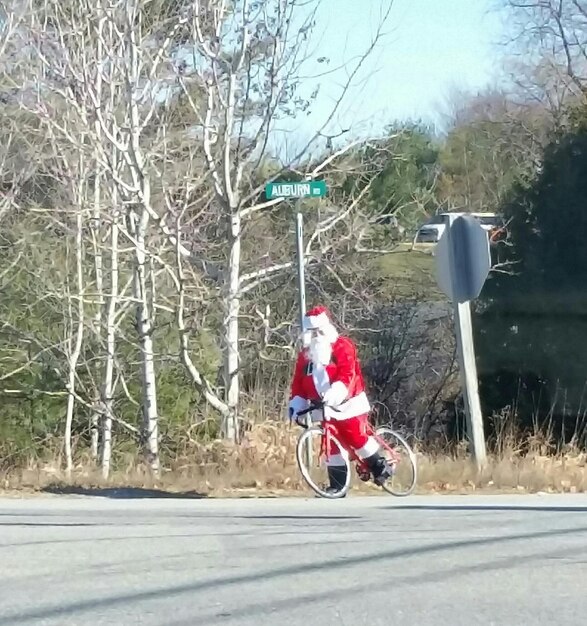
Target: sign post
(301, 267)
(298, 191)
(463, 262)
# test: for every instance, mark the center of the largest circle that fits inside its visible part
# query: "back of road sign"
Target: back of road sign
(463, 259)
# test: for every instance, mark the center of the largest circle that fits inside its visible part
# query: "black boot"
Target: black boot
(337, 476)
(379, 467)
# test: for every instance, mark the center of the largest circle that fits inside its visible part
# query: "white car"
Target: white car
(432, 230)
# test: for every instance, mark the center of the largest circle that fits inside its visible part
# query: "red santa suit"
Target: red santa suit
(328, 369)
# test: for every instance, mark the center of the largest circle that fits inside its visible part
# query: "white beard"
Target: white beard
(321, 351)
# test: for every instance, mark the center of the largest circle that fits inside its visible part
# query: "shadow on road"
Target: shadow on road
(395, 579)
(121, 599)
(488, 507)
(300, 517)
(121, 493)
(47, 524)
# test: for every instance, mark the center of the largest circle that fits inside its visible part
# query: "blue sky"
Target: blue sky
(431, 47)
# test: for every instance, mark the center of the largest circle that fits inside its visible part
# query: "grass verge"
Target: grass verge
(407, 272)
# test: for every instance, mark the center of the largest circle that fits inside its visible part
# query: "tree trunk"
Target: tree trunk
(107, 387)
(79, 332)
(98, 270)
(186, 359)
(150, 430)
(113, 297)
(230, 428)
(139, 221)
(98, 259)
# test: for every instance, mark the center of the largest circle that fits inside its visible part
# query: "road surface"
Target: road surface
(361, 561)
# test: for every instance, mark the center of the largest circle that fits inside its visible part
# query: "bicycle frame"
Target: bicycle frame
(329, 425)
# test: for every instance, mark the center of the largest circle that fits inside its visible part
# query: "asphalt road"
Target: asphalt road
(519, 560)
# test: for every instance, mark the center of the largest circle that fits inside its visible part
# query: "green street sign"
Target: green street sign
(307, 189)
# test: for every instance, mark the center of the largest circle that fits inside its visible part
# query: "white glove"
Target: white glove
(336, 394)
(296, 404)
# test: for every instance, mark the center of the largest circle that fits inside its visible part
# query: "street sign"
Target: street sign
(305, 189)
(463, 259)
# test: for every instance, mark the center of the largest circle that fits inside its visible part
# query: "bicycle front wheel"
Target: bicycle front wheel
(401, 457)
(313, 466)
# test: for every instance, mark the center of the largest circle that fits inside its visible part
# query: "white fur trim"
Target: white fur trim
(337, 460)
(331, 333)
(320, 351)
(316, 321)
(359, 405)
(321, 378)
(322, 323)
(297, 403)
(337, 394)
(371, 447)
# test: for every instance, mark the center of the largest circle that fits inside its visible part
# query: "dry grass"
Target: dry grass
(265, 465)
(511, 472)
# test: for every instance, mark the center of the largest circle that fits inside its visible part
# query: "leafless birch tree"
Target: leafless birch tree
(241, 74)
(121, 68)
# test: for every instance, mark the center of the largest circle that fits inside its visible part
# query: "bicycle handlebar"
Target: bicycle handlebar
(314, 406)
(318, 404)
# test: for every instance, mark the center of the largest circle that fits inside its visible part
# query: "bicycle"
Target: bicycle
(326, 430)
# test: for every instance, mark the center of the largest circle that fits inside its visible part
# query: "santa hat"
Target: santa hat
(319, 318)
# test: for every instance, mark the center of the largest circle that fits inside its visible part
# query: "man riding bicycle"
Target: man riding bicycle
(328, 369)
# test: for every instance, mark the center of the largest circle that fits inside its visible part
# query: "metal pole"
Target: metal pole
(467, 365)
(469, 382)
(301, 268)
(302, 305)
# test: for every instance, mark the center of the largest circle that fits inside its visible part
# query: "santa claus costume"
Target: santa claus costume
(328, 369)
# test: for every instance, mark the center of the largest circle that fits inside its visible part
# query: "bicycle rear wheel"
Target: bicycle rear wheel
(398, 454)
(316, 474)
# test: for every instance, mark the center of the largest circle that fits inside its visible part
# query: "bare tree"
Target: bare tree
(112, 300)
(242, 74)
(493, 139)
(548, 40)
(76, 332)
(75, 59)
(121, 69)
(97, 233)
